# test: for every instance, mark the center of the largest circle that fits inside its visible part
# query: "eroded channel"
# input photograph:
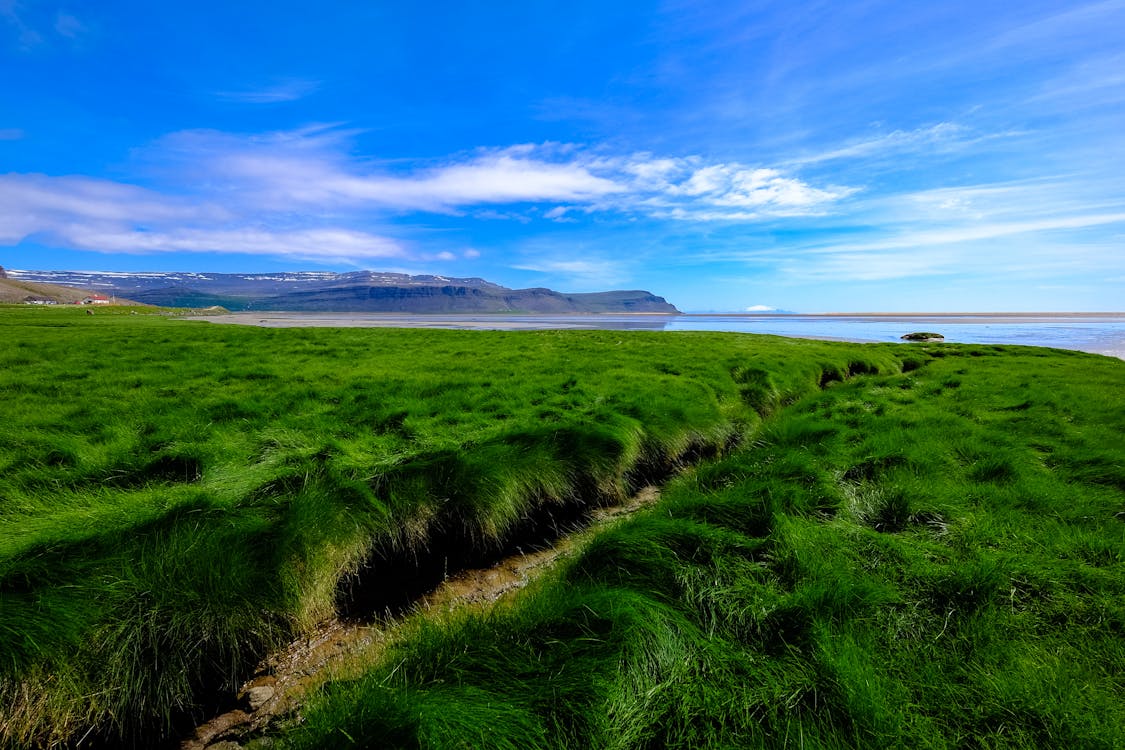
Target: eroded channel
(341, 646)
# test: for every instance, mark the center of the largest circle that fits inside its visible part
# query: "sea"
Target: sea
(1100, 334)
(1089, 332)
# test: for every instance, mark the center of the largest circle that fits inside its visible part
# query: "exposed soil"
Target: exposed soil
(285, 677)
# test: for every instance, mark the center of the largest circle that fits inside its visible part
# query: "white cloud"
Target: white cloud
(652, 172)
(760, 308)
(706, 180)
(688, 189)
(768, 188)
(489, 179)
(503, 179)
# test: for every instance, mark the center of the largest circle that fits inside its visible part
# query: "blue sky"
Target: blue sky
(809, 156)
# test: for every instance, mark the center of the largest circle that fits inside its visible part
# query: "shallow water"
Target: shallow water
(1098, 333)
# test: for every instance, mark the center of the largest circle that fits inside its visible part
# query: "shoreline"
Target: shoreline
(421, 320)
(1097, 333)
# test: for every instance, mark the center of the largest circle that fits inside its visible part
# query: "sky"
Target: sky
(729, 156)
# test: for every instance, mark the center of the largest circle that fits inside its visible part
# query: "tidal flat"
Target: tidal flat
(855, 545)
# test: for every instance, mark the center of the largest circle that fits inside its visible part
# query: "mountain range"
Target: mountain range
(358, 291)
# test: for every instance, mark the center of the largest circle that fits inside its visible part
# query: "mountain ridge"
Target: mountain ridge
(355, 291)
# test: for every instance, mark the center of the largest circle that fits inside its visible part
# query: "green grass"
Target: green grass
(927, 559)
(178, 498)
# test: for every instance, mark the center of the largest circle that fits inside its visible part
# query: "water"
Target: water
(1098, 333)
(1101, 334)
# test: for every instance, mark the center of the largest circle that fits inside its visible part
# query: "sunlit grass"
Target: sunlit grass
(932, 559)
(177, 498)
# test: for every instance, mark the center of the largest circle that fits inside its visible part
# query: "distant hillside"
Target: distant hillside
(17, 290)
(360, 291)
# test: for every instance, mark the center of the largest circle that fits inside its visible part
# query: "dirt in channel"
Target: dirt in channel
(283, 679)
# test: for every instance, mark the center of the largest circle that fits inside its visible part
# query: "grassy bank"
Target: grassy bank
(177, 498)
(926, 559)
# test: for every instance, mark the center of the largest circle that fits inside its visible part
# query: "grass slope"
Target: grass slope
(927, 559)
(176, 498)
(15, 292)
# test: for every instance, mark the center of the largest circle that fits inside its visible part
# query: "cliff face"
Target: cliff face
(364, 291)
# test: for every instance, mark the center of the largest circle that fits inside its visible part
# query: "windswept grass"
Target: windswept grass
(176, 498)
(927, 559)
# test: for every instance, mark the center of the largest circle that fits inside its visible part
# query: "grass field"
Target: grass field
(926, 559)
(178, 498)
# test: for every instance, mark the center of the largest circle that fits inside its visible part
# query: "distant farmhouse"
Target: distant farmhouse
(33, 300)
(95, 299)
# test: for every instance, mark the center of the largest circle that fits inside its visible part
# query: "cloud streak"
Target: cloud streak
(285, 91)
(931, 237)
(341, 245)
(105, 216)
(943, 135)
(1039, 229)
(64, 27)
(585, 273)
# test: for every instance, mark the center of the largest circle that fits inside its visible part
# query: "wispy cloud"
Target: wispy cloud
(313, 169)
(32, 203)
(929, 237)
(62, 26)
(106, 216)
(11, 134)
(1092, 82)
(276, 93)
(944, 136)
(11, 12)
(1033, 230)
(579, 274)
(342, 245)
(69, 25)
